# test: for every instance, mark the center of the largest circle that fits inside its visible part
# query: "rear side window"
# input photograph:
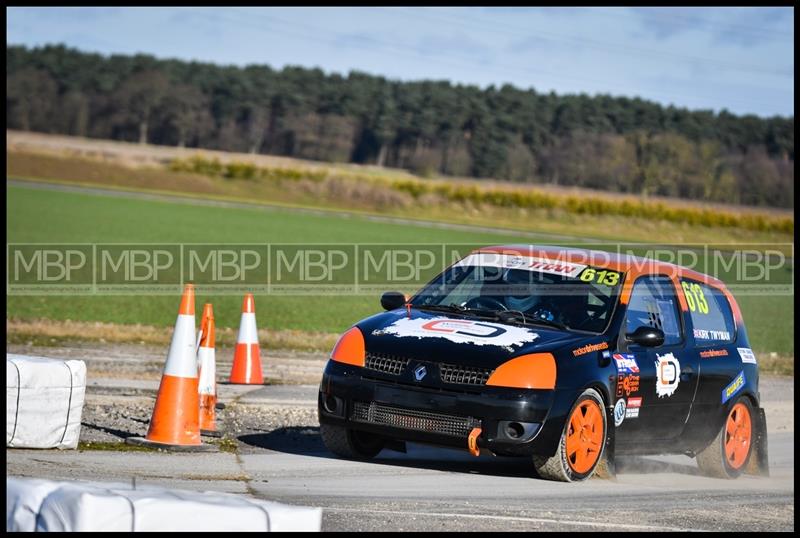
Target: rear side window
(710, 311)
(653, 303)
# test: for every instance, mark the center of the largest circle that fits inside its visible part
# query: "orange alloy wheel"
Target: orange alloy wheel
(738, 431)
(584, 436)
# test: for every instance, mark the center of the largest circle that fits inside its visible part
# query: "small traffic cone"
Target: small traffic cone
(206, 362)
(175, 421)
(246, 368)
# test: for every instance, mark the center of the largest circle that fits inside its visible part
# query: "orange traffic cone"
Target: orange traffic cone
(206, 362)
(175, 421)
(246, 368)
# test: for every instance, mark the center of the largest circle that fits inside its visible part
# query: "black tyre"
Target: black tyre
(582, 442)
(350, 444)
(728, 454)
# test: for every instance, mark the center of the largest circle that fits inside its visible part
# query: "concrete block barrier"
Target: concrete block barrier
(41, 505)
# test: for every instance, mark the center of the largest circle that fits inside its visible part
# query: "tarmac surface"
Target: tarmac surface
(280, 457)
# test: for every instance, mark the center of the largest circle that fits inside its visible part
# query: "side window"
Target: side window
(654, 304)
(710, 311)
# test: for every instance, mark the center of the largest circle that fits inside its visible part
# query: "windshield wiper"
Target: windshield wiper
(436, 307)
(452, 307)
(505, 316)
(541, 321)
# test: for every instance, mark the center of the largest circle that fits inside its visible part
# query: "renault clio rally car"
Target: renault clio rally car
(567, 356)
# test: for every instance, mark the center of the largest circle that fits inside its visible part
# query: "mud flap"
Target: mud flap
(759, 460)
(607, 467)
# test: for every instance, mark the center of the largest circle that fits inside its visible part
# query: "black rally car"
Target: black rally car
(567, 356)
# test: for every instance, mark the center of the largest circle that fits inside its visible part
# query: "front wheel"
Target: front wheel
(582, 442)
(349, 443)
(729, 452)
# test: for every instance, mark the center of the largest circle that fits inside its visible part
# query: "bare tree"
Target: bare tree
(140, 95)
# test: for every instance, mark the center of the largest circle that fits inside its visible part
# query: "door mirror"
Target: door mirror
(392, 299)
(646, 336)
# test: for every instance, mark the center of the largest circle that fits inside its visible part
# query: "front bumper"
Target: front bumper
(510, 420)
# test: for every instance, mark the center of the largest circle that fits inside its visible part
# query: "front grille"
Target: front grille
(464, 375)
(411, 419)
(383, 362)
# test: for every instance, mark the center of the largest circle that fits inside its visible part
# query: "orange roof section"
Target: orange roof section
(606, 260)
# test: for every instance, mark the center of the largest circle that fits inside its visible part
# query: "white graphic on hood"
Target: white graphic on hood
(668, 374)
(462, 331)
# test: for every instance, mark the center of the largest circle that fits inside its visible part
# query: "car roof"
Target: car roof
(603, 259)
(633, 266)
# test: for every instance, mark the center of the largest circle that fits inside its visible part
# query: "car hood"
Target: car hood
(474, 342)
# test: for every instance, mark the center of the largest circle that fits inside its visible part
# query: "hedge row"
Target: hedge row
(523, 198)
(591, 205)
(241, 170)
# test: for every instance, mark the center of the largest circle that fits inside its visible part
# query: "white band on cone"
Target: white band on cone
(248, 334)
(181, 359)
(208, 373)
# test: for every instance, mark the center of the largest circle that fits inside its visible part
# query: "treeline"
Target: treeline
(430, 127)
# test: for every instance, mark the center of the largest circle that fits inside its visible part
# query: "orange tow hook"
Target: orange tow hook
(472, 442)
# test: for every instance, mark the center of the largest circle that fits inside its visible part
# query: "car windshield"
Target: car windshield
(526, 290)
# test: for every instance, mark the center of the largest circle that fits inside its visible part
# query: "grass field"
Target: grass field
(40, 216)
(374, 197)
(57, 217)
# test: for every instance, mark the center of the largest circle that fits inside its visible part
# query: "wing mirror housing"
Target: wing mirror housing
(646, 336)
(392, 299)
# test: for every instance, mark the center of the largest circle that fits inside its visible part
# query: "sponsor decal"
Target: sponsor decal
(714, 353)
(627, 384)
(619, 412)
(420, 372)
(706, 334)
(626, 364)
(606, 354)
(747, 355)
(589, 348)
(735, 386)
(527, 263)
(632, 410)
(668, 374)
(461, 331)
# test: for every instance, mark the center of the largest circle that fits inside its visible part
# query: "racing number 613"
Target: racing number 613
(609, 278)
(693, 292)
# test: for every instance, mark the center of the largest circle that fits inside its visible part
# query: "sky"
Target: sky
(739, 59)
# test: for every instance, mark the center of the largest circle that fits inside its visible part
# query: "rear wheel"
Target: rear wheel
(728, 454)
(582, 442)
(349, 443)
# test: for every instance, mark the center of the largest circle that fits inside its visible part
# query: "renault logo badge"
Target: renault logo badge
(420, 372)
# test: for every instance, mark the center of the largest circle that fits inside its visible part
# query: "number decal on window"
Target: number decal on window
(695, 298)
(609, 278)
(612, 279)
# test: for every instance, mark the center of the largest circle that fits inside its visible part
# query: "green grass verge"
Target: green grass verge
(364, 194)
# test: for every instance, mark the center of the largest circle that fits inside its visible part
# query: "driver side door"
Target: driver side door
(656, 384)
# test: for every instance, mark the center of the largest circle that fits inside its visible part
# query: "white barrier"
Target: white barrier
(44, 401)
(41, 505)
